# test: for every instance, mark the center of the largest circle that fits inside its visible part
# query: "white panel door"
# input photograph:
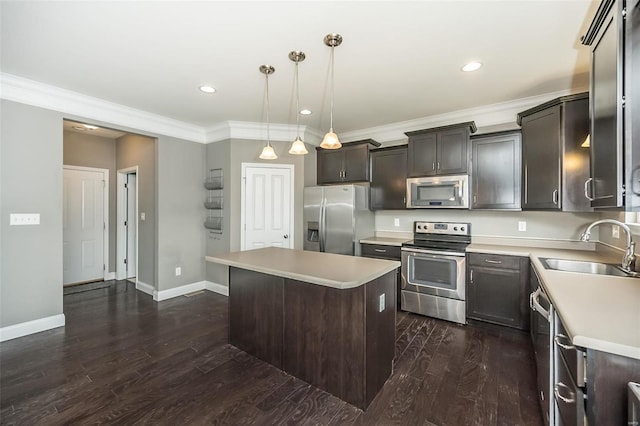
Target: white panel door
(83, 226)
(267, 207)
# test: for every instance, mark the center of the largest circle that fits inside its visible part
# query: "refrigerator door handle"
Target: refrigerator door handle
(322, 225)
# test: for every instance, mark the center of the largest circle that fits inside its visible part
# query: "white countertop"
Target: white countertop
(331, 270)
(600, 312)
(385, 241)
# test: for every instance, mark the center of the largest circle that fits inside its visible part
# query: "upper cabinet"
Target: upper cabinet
(496, 164)
(555, 157)
(388, 178)
(614, 38)
(348, 164)
(439, 151)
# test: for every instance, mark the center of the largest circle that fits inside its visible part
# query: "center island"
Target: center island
(325, 318)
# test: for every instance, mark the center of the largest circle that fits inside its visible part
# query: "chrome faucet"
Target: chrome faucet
(629, 259)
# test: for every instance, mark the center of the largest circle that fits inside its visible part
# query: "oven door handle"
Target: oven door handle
(434, 253)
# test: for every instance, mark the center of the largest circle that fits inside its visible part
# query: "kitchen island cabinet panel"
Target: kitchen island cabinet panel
(322, 346)
(255, 314)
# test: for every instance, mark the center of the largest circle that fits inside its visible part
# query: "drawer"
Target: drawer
(569, 398)
(494, 260)
(574, 358)
(380, 251)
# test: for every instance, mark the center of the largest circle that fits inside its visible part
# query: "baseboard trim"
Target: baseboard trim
(145, 288)
(109, 276)
(178, 291)
(217, 288)
(31, 327)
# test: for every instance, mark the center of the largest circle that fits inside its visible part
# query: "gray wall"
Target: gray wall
(31, 182)
(86, 150)
(136, 150)
(219, 156)
(181, 234)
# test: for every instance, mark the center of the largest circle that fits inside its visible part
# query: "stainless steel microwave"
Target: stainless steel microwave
(438, 192)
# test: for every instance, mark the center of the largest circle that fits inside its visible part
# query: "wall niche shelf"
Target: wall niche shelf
(214, 202)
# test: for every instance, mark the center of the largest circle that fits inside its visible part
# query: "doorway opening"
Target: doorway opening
(127, 229)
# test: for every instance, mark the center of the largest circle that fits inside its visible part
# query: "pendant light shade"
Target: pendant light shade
(267, 152)
(331, 140)
(297, 147)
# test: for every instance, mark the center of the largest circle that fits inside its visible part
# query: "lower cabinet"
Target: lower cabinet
(497, 289)
(382, 251)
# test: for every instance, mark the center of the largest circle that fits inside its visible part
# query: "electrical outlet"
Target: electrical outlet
(381, 304)
(396, 222)
(143, 216)
(178, 271)
(24, 219)
(522, 226)
(615, 231)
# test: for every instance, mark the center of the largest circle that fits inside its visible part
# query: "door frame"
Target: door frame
(105, 215)
(121, 233)
(243, 194)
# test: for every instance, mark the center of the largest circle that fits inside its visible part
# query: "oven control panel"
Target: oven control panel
(445, 228)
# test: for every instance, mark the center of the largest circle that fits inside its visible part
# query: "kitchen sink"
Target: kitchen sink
(583, 267)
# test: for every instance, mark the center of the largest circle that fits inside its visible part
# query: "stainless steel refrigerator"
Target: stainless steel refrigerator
(336, 217)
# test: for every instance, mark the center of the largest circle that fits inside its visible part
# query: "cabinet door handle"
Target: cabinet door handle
(433, 165)
(566, 399)
(438, 165)
(471, 277)
(555, 197)
(380, 250)
(558, 339)
(588, 189)
(475, 199)
(497, 262)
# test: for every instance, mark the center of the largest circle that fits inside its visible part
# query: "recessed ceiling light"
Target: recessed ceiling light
(90, 127)
(305, 111)
(79, 127)
(471, 66)
(207, 89)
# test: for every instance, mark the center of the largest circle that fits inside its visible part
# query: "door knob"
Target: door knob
(286, 236)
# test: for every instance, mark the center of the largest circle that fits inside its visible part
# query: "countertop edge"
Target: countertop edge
(608, 347)
(341, 285)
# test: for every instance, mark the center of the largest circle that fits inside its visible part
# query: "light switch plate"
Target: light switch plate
(178, 271)
(143, 216)
(381, 304)
(615, 231)
(522, 226)
(24, 219)
(396, 222)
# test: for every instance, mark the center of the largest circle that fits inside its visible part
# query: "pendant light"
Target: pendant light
(267, 152)
(297, 147)
(331, 140)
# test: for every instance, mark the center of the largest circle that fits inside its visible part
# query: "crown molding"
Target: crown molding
(258, 131)
(30, 92)
(487, 115)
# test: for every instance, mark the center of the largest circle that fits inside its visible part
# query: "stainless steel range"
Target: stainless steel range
(433, 270)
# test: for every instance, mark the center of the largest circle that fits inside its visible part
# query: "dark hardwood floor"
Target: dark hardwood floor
(124, 359)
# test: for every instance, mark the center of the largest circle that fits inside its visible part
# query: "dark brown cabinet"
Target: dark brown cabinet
(388, 188)
(614, 38)
(497, 289)
(496, 164)
(555, 163)
(382, 251)
(439, 151)
(344, 165)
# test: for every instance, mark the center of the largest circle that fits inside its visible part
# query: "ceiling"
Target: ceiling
(398, 61)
